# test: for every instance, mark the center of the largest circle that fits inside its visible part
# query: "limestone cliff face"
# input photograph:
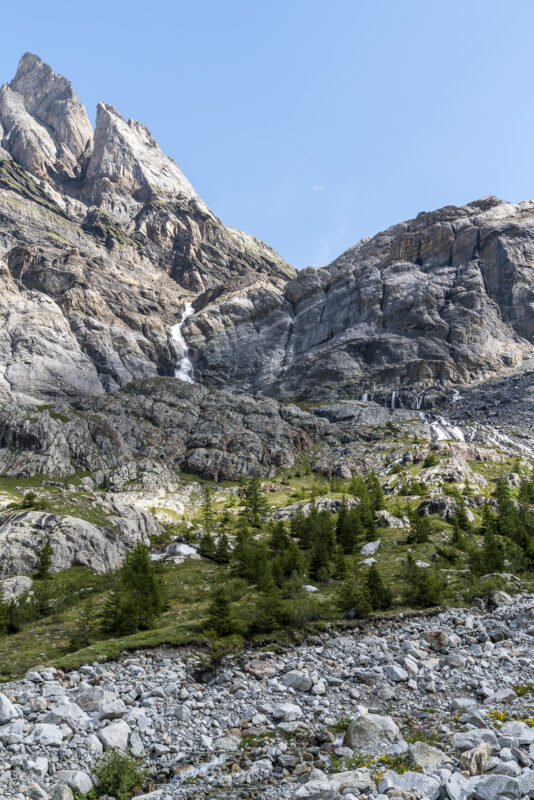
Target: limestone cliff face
(102, 241)
(447, 296)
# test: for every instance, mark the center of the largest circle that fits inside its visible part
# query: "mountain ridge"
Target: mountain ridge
(107, 227)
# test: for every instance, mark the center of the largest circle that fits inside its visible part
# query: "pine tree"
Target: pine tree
(269, 609)
(340, 522)
(136, 600)
(292, 560)
(366, 509)
(427, 590)
(492, 556)
(207, 506)
(256, 502)
(111, 611)
(41, 601)
(420, 529)
(85, 626)
(375, 491)
(460, 513)
(353, 597)
(279, 539)
(457, 538)
(341, 565)
(379, 594)
(319, 563)
(220, 618)
(354, 530)
(207, 547)
(17, 614)
(4, 612)
(222, 551)
(45, 562)
(300, 529)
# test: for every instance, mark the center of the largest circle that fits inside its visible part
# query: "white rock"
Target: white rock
(370, 548)
(7, 709)
(16, 586)
(288, 712)
(46, 734)
(76, 779)
(115, 735)
(296, 679)
(67, 711)
(102, 702)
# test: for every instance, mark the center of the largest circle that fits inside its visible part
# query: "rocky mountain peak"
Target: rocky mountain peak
(127, 159)
(43, 125)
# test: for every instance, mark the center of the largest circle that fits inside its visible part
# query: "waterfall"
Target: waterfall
(419, 400)
(184, 367)
(365, 397)
(393, 399)
(444, 429)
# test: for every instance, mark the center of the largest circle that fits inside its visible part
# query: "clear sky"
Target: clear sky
(308, 124)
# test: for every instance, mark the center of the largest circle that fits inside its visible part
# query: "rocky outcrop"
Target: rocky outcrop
(42, 123)
(445, 296)
(75, 542)
(105, 226)
(164, 422)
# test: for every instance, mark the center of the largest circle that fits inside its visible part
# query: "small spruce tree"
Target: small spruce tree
(207, 506)
(220, 618)
(256, 503)
(45, 562)
(85, 626)
(135, 601)
(379, 594)
(207, 547)
(269, 609)
(4, 612)
(222, 551)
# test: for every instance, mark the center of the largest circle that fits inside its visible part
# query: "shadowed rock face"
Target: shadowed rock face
(211, 433)
(446, 296)
(103, 240)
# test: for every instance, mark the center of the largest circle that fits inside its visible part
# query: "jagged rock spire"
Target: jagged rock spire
(43, 125)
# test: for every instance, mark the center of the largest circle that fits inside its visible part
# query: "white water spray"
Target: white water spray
(200, 769)
(184, 368)
(445, 429)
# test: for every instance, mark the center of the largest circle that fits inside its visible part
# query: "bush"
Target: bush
(426, 586)
(117, 774)
(430, 461)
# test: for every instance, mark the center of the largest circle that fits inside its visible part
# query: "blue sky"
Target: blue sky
(308, 124)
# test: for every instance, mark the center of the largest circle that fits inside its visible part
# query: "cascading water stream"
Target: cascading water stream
(200, 769)
(184, 367)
